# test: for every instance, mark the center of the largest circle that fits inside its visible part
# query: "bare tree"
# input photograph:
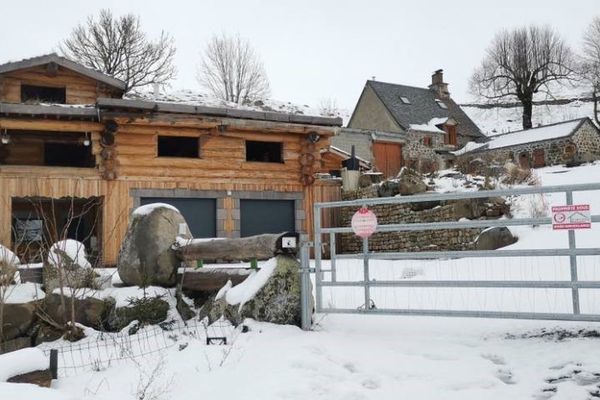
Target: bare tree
(232, 71)
(328, 107)
(590, 63)
(521, 63)
(118, 47)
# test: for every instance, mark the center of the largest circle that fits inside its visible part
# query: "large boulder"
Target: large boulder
(410, 182)
(146, 256)
(278, 301)
(17, 319)
(88, 311)
(494, 238)
(68, 266)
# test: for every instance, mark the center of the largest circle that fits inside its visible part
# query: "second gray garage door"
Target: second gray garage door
(266, 216)
(200, 214)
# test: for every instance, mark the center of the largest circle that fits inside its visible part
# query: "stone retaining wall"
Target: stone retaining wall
(441, 239)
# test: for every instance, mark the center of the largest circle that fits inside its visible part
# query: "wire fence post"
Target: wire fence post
(54, 363)
(305, 287)
(573, 262)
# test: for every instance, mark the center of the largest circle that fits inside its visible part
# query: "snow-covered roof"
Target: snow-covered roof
(336, 150)
(431, 126)
(187, 97)
(549, 132)
(554, 131)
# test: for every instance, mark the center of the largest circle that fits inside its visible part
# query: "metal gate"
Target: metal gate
(550, 277)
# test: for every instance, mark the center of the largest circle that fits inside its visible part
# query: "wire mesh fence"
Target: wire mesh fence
(100, 350)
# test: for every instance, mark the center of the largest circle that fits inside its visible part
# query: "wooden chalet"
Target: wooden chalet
(76, 158)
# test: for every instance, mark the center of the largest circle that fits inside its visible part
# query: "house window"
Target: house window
(264, 151)
(404, 100)
(427, 141)
(43, 94)
(68, 155)
(54, 149)
(178, 146)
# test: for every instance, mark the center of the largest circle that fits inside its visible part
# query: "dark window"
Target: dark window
(264, 151)
(40, 148)
(43, 94)
(68, 155)
(178, 146)
(427, 141)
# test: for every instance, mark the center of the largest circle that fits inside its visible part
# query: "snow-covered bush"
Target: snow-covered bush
(69, 254)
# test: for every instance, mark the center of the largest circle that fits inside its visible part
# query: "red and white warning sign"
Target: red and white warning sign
(571, 217)
(364, 222)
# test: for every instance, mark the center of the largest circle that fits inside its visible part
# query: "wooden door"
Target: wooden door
(388, 158)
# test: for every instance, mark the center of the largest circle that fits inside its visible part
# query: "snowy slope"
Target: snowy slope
(502, 120)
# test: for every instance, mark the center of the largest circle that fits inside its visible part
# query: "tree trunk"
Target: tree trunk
(527, 112)
(260, 247)
(212, 279)
(595, 99)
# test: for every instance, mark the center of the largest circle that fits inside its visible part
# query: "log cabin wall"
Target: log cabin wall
(221, 168)
(79, 89)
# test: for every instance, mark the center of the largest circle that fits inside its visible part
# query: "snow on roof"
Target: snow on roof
(470, 146)
(555, 131)
(195, 98)
(431, 126)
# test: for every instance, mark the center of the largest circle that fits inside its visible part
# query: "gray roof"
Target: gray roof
(65, 63)
(76, 112)
(422, 108)
(106, 103)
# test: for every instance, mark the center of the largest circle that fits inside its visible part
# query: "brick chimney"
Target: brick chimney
(438, 85)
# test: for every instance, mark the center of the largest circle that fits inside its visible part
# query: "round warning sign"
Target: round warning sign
(364, 222)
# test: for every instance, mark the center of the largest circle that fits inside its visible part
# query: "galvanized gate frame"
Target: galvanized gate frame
(572, 252)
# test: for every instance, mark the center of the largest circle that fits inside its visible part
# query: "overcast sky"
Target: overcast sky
(312, 49)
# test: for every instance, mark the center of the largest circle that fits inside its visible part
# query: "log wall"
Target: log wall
(222, 167)
(79, 88)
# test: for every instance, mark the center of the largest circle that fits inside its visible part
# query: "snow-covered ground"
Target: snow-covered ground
(498, 120)
(386, 357)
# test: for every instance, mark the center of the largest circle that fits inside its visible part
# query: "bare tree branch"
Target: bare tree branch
(118, 47)
(521, 63)
(232, 71)
(590, 62)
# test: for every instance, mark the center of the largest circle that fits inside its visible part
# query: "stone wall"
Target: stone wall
(420, 156)
(582, 146)
(434, 240)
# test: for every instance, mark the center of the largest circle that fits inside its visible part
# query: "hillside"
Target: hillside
(494, 120)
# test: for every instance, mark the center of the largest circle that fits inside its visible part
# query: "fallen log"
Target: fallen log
(212, 279)
(259, 247)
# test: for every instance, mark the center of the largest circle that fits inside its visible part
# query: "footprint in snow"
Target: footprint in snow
(350, 367)
(506, 376)
(370, 384)
(494, 359)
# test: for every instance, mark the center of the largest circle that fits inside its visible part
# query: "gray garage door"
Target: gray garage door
(266, 216)
(200, 214)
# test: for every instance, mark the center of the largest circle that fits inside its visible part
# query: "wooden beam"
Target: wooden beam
(50, 125)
